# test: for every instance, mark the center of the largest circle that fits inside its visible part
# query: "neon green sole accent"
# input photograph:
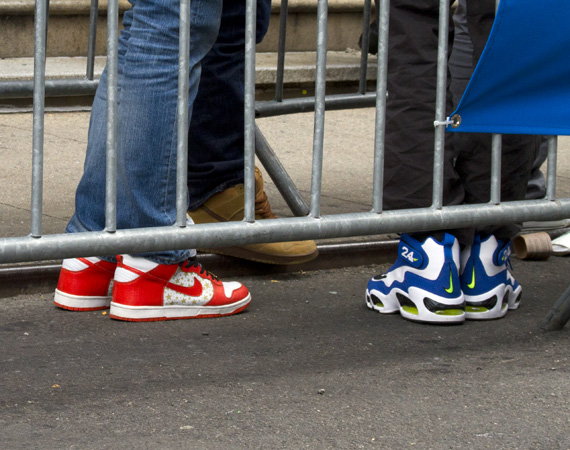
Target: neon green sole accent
(379, 304)
(476, 309)
(410, 309)
(443, 312)
(450, 312)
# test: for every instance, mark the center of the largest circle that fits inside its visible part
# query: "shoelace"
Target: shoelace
(507, 249)
(262, 206)
(509, 264)
(191, 262)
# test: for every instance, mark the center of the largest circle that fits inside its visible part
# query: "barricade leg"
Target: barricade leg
(559, 315)
(279, 175)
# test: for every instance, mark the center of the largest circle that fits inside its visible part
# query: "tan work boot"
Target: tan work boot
(228, 205)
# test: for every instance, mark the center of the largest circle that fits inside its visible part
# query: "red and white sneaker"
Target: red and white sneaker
(84, 284)
(147, 291)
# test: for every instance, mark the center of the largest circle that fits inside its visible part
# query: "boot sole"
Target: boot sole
(245, 253)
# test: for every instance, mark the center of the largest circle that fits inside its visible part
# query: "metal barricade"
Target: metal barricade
(309, 223)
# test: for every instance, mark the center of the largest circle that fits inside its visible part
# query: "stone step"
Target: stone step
(299, 67)
(343, 72)
(69, 26)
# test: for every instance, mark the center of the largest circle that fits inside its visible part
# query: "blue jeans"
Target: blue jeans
(146, 121)
(215, 138)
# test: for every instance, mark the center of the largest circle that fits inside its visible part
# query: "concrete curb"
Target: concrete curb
(343, 66)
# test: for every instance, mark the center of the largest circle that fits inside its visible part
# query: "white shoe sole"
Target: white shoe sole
(80, 302)
(149, 313)
(389, 305)
(497, 312)
(418, 313)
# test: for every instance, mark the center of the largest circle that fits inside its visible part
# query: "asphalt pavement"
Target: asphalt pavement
(307, 366)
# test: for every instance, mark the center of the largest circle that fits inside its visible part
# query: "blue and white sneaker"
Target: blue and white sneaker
(489, 288)
(423, 284)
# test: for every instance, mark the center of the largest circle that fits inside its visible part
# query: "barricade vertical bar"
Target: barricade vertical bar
(39, 113)
(551, 168)
(47, 20)
(281, 50)
(381, 86)
(320, 88)
(182, 135)
(496, 148)
(93, 17)
(440, 103)
(111, 140)
(364, 47)
(496, 151)
(249, 112)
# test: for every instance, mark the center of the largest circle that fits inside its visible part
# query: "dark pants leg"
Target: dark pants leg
(410, 111)
(373, 33)
(215, 138)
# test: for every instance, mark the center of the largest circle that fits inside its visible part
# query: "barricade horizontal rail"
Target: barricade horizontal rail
(313, 225)
(22, 249)
(267, 108)
(54, 88)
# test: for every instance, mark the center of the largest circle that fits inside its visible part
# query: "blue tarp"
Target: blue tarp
(522, 82)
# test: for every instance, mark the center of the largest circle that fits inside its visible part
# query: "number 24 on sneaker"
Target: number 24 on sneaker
(147, 291)
(423, 283)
